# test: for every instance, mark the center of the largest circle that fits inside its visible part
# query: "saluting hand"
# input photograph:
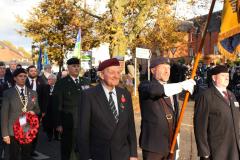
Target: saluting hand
(6, 139)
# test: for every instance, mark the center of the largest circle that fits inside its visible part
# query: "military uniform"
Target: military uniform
(66, 98)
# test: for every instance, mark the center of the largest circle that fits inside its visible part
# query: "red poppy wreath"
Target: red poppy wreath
(26, 133)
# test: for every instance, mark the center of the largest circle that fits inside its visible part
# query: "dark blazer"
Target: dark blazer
(66, 98)
(154, 136)
(216, 125)
(12, 108)
(39, 90)
(99, 137)
(48, 120)
(9, 77)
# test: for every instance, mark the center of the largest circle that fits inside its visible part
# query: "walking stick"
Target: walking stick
(197, 58)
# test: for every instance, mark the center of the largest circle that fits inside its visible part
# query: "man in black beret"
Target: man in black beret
(16, 101)
(106, 121)
(217, 119)
(66, 98)
(159, 110)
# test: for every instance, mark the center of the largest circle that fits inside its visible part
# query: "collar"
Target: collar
(19, 88)
(107, 91)
(221, 90)
(30, 79)
(73, 78)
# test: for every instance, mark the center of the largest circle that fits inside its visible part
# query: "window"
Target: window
(190, 52)
(203, 50)
(215, 50)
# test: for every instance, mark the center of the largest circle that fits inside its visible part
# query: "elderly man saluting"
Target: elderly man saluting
(106, 121)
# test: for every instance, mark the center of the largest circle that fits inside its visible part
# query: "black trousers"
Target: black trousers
(19, 151)
(67, 143)
(147, 155)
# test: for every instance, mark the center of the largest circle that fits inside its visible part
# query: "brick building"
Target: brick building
(210, 50)
(7, 53)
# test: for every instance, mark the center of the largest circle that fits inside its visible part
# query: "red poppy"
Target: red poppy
(123, 99)
(26, 137)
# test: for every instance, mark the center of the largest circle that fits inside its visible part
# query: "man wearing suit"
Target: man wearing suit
(36, 83)
(106, 121)
(217, 120)
(9, 73)
(48, 121)
(66, 96)
(159, 110)
(14, 100)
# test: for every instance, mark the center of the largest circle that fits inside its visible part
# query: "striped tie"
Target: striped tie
(113, 107)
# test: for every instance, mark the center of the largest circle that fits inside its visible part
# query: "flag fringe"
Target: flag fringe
(225, 53)
(229, 33)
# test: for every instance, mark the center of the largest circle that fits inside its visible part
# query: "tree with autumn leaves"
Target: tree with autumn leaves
(125, 24)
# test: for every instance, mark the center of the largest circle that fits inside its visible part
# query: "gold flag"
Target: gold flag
(229, 36)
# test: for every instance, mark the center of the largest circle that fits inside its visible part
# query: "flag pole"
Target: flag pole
(197, 58)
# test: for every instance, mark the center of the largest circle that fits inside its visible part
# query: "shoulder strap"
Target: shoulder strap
(169, 116)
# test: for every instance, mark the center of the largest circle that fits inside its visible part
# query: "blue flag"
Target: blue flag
(39, 63)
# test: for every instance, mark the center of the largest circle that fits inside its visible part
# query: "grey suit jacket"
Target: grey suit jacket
(12, 108)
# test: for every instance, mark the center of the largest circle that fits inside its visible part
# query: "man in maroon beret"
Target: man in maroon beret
(217, 119)
(106, 121)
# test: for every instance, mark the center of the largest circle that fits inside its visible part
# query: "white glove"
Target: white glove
(172, 89)
(188, 85)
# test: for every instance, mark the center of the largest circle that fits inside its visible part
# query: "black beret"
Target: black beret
(108, 63)
(219, 69)
(2, 63)
(18, 71)
(159, 60)
(73, 61)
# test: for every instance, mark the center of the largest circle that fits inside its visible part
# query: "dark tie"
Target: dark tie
(31, 86)
(226, 96)
(76, 81)
(22, 95)
(113, 107)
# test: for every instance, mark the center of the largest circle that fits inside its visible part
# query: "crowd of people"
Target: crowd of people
(96, 122)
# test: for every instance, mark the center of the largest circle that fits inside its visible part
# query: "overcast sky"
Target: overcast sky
(10, 8)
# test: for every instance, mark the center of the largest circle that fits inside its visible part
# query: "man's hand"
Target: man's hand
(6, 139)
(133, 158)
(59, 129)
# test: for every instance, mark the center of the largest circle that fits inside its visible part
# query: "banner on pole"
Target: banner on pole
(229, 36)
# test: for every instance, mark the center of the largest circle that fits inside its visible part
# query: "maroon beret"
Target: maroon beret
(108, 63)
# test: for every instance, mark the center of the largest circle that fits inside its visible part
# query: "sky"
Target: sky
(11, 8)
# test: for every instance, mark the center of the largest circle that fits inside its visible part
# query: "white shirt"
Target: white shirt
(34, 83)
(74, 79)
(221, 90)
(19, 89)
(114, 96)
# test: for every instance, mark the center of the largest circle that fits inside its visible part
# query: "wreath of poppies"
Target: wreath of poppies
(25, 134)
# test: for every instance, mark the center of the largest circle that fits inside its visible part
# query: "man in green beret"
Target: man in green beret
(66, 98)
